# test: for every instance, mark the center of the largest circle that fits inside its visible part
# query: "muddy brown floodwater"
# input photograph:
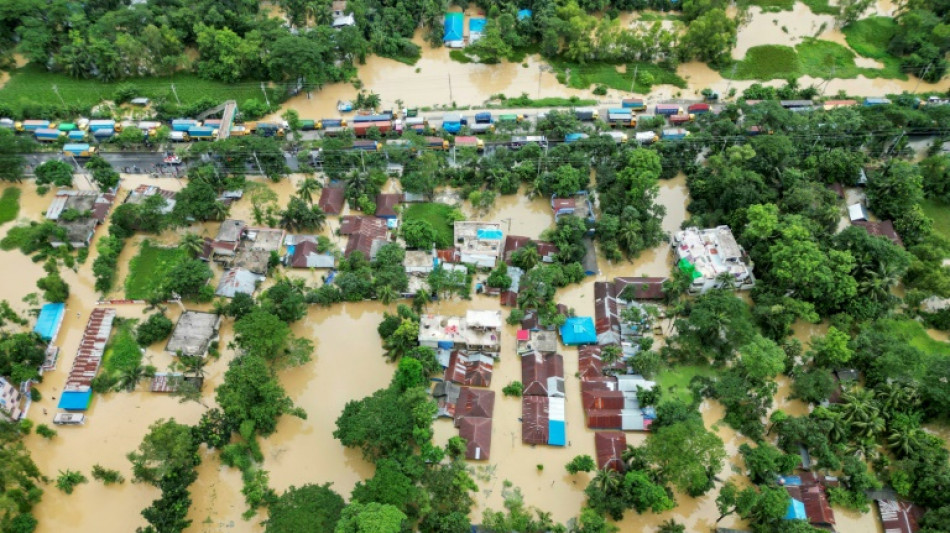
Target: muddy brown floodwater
(304, 451)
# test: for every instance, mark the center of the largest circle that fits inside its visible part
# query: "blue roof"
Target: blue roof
(490, 234)
(75, 400)
(578, 330)
(557, 433)
(476, 25)
(51, 316)
(791, 481)
(453, 27)
(524, 14)
(796, 511)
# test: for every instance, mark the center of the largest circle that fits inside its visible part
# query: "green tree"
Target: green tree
(167, 447)
(418, 234)
(261, 334)
(306, 189)
(710, 37)
(370, 518)
(310, 508)
(831, 350)
(56, 172)
(814, 385)
(580, 463)
(155, 328)
(389, 423)
(896, 190)
(11, 160)
(250, 393)
(300, 216)
(687, 455)
(766, 462)
(191, 244)
(402, 340)
(409, 373)
(54, 288)
(185, 279)
(761, 359)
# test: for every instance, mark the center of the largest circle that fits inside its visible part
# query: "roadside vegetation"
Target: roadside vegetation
(815, 58)
(9, 204)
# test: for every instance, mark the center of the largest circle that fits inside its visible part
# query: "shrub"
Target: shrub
(68, 480)
(45, 431)
(106, 475)
(154, 329)
(515, 388)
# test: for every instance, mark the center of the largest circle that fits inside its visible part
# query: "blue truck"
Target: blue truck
(184, 124)
(453, 122)
(674, 134)
(79, 150)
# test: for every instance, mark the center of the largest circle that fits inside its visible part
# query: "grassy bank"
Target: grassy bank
(813, 57)
(32, 84)
(439, 216)
(675, 380)
(940, 213)
(148, 269)
(869, 38)
(579, 76)
(9, 205)
(821, 7)
(770, 6)
(123, 352)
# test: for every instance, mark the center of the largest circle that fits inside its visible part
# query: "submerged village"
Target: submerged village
(291, 267)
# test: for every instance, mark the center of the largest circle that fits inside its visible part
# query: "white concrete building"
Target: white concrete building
(713, 258)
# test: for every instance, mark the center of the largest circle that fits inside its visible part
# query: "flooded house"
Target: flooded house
(578, 330)
(579, 206)
(9, 400)
(474, 403)
(305, 254)
(589, 261)
(477, 434)
(630, 289)
(479, 243)
(366, 234)
(228, 238)
(610, 446)
(420, 262)
(542, 421)
(883, 228)
(606, 313)
(78, 213)
(446, 395)
(342, 17)
(471, 369)
(809, 496)
(476, 331)
(542, 374)
(546, 251)
(142, 192)
(536, 340)
(387, 205)
(77, 392)
(713, 259)
(237, 280)
(896, 515)
(193, 333)
(332, 200)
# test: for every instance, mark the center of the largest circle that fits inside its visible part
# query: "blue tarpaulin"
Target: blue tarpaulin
(476, 25)
(75, 400)
(796, 511)
(578, 330)
(557, 433)
(51, 316)
(490, 234)
(524, 14)
(454, 24)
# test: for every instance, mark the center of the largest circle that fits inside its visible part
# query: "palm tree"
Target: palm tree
(610, 354)
(904, 436)
(192, 364)
(897, 398)
(386, 294)
(421, 300)
(526, 258)
(219, 211)
(191, 244)
(632, 458)
(671, 526)
(858, 406)
(879, 281)
(607, 480)
(129, 378)
(306, 189)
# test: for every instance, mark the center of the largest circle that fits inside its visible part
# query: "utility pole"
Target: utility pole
(264, 90)
(922, 74)
(451, 98)
(633, 83)
(731, 77)
(56, 90)
(259, 167)
(176, 94)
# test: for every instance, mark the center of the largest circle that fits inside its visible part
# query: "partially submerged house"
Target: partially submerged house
(79, 213)
(579, 205)
(606, 313)
(712, 258)
(589, 261)
(474, 403)
(228, 238)
(542, 421)
(610, 446)
(77, 392)
(237, 280)
(898, 516)
(476, 28)
(477, 434)
(304, 254)
(386, 204)
(536, 340)
(446, 395)
(341, 16)
(366, 234)
(9, 400)
(808, 492)
(477, 331)
(578, 330)
(546, 251)
(454, 34)
(638, 288)
(193, 333)
(49, 321)
(142, 192)
(479, 243)
(542, 374)
(332, 200)
(884, 228)
(472, 369)
(420, 262)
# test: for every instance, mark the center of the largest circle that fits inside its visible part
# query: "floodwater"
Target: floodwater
(785, 27)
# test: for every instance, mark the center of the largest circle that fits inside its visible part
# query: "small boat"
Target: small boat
(344, 106)
(69, 418)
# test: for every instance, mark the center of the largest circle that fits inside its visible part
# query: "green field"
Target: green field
(440, 216)
(870, 37)
(940, 213)
(812, 57)
(579, 76)
(9, 204)
(148, 269)
(32, 84)
(821, 7)
(675, 380)
(123, 352)
(917, 337)
(771, 5)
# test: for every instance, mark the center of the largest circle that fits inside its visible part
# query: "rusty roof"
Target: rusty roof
(884, 228)
(599, 383)
(610, 446)
(602, 399)
(477, 434)
(537, 368)
(534, 419)
(558, 204)
(644, 288)
(899, 516)
(331, 200)
(589, 363)
(478, 403)
(386, 204)
(817, 508)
